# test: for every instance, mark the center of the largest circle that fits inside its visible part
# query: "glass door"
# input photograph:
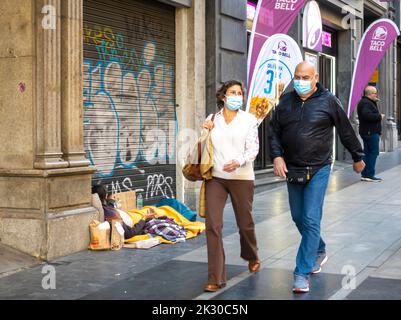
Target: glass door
(327, 72)
(327, 78)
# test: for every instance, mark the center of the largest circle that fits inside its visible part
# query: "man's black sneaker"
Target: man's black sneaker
(371, 179)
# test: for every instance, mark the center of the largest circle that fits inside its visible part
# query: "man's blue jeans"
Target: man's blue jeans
(306, 204)
(371, 150)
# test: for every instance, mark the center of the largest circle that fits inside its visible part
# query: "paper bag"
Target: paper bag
(99, 235)
(117, 235)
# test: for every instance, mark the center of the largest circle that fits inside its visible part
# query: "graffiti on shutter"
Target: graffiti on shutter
(129, 100)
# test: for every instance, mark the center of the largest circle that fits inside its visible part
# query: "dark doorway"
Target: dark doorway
(326, 68)
(262, 161)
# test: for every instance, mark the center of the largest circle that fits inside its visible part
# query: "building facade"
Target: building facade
(344, 23)
(93, 92)
(115, 92)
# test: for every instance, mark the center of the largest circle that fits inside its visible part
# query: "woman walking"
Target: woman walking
(234, 135)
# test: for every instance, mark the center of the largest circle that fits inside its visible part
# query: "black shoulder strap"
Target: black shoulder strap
(214, 115)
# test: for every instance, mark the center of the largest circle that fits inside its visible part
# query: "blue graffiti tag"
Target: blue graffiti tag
(127, 100)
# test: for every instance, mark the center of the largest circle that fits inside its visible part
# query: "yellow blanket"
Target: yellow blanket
(193, 228)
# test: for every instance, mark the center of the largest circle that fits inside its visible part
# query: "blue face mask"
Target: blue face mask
(302, 86)
(234, 102)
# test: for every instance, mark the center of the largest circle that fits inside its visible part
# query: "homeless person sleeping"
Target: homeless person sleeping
(164, 222)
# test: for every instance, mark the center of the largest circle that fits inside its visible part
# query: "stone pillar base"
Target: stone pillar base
(46, 213)
(391, 142)
(49, 239)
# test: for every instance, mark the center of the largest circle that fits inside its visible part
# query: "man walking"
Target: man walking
(370, 130)
(301, 143)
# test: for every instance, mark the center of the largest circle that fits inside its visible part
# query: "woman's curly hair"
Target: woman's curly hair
(220, 95)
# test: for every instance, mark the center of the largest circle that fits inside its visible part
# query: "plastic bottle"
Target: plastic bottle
(139, 198)
(118, 204)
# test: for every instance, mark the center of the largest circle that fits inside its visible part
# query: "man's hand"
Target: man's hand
(150, 214)
(359, 166)
(231, 166)
(280, 168)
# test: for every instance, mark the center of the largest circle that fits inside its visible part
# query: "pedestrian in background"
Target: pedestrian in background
(234, 135)
(370, 128)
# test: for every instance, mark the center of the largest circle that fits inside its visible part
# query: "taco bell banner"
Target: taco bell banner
(274, 70)
(312, 27)
(374, 44)
(271, 17)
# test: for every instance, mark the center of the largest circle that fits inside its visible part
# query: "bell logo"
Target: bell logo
(282, 46)
(378, 39)
(281, 50)
(380, 33)
(286, 5)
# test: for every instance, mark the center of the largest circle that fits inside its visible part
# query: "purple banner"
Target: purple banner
(272, 17)
(374, 44)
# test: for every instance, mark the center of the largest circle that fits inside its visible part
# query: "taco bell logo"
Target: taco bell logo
(380, 33)
(312, 27)
(287, 5)
(282, 46)
(281, 50)
(378, 39)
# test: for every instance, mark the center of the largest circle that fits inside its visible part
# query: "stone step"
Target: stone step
(12, 261)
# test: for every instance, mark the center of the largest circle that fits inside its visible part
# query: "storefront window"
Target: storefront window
(326, 39)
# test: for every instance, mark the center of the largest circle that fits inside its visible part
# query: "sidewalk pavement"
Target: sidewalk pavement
(361, 226)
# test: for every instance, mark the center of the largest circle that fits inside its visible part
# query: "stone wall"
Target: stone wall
(45, 194)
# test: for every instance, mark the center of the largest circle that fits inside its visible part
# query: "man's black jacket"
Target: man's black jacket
(302, 132)
(370, 119)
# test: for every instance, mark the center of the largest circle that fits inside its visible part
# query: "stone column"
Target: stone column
(190, 89)
(390, 61)
(45, 205)
(71, 84)
(349, 40)
(48, 85)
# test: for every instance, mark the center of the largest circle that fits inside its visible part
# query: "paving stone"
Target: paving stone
(276, 284)
(174, 280)
(377, 289)
(358, 230)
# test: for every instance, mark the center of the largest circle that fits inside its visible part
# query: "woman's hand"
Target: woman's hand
(231, 166)
(208, 124)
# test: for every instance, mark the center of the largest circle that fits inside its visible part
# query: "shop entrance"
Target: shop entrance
(327, 67)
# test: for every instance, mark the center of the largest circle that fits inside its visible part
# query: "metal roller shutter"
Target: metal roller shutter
(129, 95)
